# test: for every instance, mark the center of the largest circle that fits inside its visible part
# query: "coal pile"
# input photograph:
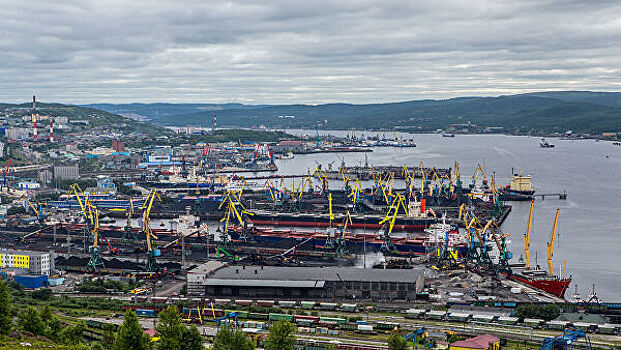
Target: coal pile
(113, 263)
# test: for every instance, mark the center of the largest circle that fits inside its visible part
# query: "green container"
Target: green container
(280, 317)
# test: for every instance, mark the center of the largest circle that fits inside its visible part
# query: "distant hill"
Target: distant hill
(532, 113)
(96, 118)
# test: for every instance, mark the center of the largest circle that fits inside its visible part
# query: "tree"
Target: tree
(397, 342)
(130, 335)
(546, 312)
(174, 334)
(42, 294)
(228, 340)
(97, 346)
(107, 337)
(6, 318)
(30, 321)
(281, 337)
(72, 334)
(192, 339)
(53, 325)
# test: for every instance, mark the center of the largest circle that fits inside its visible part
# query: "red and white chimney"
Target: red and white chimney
(34, 118)
(51, 129)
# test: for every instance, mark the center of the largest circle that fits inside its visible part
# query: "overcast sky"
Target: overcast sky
(292, 51)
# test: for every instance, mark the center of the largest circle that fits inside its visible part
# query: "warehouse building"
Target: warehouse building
(310, 282)
(35, 263)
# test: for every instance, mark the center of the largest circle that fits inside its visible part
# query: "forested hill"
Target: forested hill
(533, 113)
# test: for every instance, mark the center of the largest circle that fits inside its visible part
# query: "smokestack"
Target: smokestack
(34, 118)
(51, 129)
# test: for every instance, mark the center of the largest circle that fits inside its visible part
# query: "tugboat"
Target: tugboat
(545, 144)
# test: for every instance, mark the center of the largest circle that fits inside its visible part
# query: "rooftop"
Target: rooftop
(276, 273)
(479, 342)
(22, 252)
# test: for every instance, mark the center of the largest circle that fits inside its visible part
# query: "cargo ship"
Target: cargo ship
(541, 280)
(519, 189)
(357, 242)
(418, 219)
(536, 277)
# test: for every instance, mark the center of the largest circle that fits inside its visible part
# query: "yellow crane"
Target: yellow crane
(151, 264)
(95, 262)
(527, 235)
(84, 205)
(550, 245)
(393, 211)
(37, 209)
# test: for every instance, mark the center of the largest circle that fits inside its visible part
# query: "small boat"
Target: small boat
(545, 144)
(288, 155)
(448, 135)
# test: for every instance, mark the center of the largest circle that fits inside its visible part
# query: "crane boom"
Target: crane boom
(550, 245)
(527, 235)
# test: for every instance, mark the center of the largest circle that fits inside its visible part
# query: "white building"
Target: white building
(36, 263)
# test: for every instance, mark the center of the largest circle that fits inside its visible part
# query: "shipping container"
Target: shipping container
(265, 303)
(280, 317)
(286, 303)
(258, 316)
(145, 313)
(308, 304)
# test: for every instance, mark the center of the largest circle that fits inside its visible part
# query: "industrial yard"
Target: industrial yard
(350, 254)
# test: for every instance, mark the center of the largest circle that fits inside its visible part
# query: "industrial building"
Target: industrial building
(308, 282)
(66, 172)
(35, 263)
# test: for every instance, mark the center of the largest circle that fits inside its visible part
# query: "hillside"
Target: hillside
(96, 118)
(533, 113)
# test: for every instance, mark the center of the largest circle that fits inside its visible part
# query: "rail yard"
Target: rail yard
(349, 254)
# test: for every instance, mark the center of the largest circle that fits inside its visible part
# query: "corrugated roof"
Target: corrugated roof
(264, 283)
(479, 342)
(278, 273)
(207, 267)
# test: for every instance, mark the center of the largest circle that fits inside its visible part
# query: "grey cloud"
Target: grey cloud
(309, 52)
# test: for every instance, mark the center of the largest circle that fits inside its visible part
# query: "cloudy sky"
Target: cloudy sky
(288, 51)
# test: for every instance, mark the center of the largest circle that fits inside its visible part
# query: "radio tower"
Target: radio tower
(214, 125)
(34, 118)
(51, 129)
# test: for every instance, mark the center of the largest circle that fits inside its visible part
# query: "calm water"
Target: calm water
(589, 171)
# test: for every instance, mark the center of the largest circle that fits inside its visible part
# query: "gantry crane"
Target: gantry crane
(550, 245)
(151, 264)
(232, 201)
(389, 221)
(330, 238)
(5, 172)
(94, 262)
(527, 235)
(341, 242)
(33, 203)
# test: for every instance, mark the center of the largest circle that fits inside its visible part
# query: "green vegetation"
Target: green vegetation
(535, 113)
(229, 340)
(545, 312)
(101, 286)
(174, 334)
(281, 337)
(130, 335)
(397, 342)
(6, 312)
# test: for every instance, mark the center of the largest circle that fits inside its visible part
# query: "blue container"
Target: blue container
(31, 282)
(145, 313)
